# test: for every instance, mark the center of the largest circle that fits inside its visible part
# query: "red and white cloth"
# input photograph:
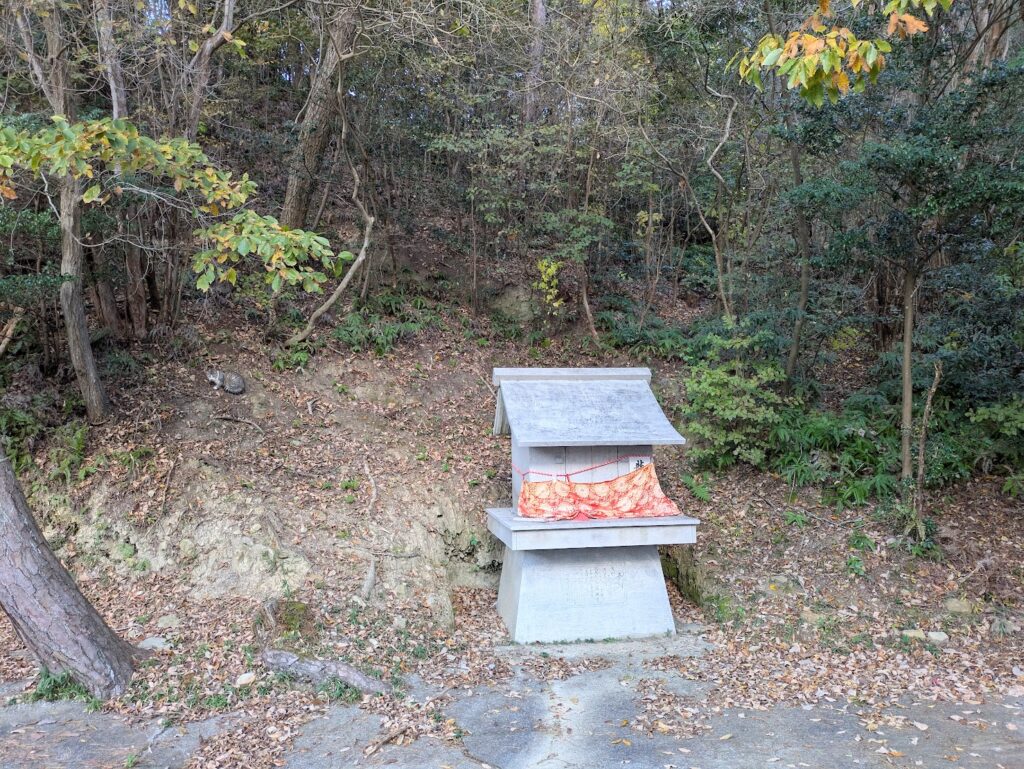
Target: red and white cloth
(636, 494)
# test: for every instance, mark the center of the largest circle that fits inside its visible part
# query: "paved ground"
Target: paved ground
(59, 735)
(575, 723)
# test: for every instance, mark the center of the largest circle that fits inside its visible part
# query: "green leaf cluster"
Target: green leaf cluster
(117, 150)
(289, 257)
(732, 404)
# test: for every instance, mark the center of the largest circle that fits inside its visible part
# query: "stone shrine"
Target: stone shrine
(581, 537)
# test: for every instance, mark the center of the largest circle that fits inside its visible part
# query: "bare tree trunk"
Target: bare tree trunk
(200, 68)
(325, 195)
(314, 136)
(907, 415)
(475, 251)
(803, 241)
(538, 20)
(721, 267)
(585, 300)
(73, 304)
(104, 298)
(109, 58)
(368, 220)
(52, 76)
(49, 613)
(135, 291)
(922, 441)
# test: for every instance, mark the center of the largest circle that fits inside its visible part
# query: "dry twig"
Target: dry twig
(167, 485)
(376, 745)
(7, 335)
(240, 420)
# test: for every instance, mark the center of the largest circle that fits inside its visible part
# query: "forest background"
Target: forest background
(812, 212)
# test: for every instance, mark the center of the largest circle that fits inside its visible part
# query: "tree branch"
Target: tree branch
(368, 221)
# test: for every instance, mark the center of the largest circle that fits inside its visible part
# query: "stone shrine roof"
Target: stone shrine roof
(580, 407)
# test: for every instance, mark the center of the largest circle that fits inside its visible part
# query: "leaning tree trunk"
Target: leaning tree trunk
(72, 303)
(51, 616)
(314, 135)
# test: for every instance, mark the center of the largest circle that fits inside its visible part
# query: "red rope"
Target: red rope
(567, 476)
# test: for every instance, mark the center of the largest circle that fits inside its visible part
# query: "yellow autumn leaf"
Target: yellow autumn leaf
(813, 45)
(913, 24)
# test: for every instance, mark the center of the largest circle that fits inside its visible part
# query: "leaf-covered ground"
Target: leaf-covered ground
(353, 492)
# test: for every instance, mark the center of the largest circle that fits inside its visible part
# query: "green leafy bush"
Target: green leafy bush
(383, 321)
(853, 455)
(294, 358)
(733, 407)
(1004, 425)
(620, 320)
(21, 290)
(372, 332)
(67, 450)
(18, 431)
(735, 414)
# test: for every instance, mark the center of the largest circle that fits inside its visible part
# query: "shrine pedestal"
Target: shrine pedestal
(585, 580)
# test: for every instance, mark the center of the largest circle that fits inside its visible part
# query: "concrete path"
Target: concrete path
(580, 722)
(64, 735)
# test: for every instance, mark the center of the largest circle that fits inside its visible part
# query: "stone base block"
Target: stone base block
(584, 594)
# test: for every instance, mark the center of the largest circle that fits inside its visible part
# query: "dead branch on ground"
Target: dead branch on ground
(317, 671)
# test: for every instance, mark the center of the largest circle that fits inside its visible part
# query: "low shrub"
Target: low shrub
(733, 407)
(18, 433)
(735, 413)
(619, 319)
(853, 455)
(383, 321)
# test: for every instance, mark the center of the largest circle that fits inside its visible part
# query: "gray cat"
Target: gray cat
(229, 381)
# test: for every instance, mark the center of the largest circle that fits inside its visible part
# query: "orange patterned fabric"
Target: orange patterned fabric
(634, 495)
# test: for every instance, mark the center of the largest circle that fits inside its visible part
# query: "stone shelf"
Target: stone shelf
(518, 533)
(585, 580)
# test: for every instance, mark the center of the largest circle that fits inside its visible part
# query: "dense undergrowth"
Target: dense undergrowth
(739, 410)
